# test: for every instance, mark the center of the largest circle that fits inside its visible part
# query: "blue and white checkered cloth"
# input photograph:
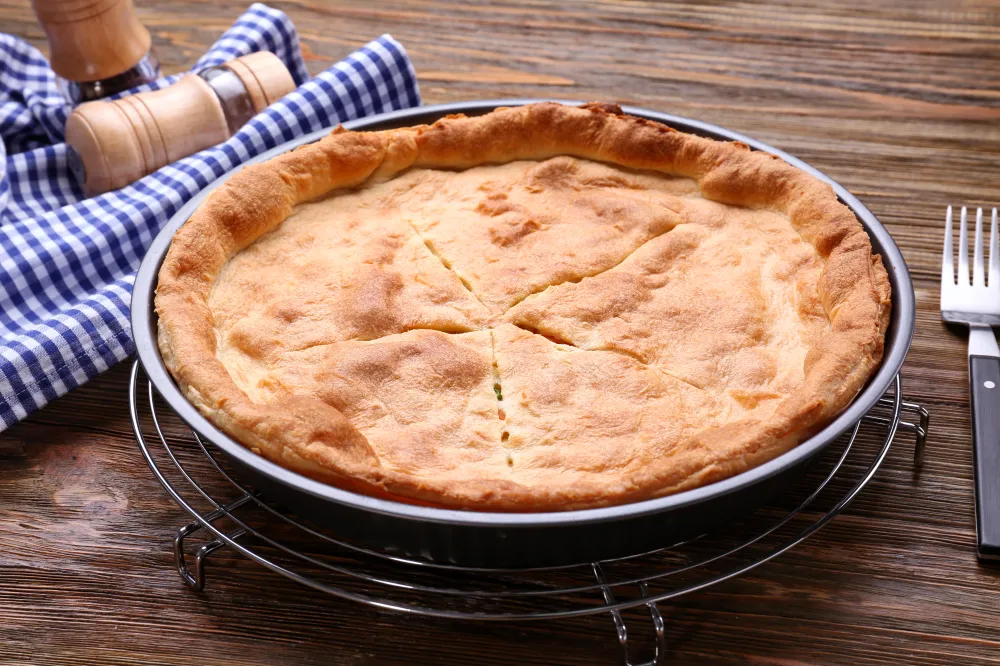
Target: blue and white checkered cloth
(67, 263)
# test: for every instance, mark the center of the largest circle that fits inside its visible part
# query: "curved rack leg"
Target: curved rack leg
(658, 624)
(196, 580)
(660, 648)
(919, 429)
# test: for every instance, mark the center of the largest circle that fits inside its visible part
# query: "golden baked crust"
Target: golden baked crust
(542, 308)
(555, 215)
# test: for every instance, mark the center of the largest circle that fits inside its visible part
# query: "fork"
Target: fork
(978, 306)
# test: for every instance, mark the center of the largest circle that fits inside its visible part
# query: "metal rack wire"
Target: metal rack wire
(237, 517)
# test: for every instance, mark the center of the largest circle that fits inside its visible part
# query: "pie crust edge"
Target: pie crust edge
(311, 437)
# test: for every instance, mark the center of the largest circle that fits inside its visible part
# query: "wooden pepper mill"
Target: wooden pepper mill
(116, 143)
(97, 47)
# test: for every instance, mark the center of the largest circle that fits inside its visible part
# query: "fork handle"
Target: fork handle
(984, 377)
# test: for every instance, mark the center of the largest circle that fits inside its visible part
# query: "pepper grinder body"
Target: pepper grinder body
(117, 142)
(97, 47)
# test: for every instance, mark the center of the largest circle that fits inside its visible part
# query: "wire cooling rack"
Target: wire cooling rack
(235, 516)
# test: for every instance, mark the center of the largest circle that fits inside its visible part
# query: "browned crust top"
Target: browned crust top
(312, 437)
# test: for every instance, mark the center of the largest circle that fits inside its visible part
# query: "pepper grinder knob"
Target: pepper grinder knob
(96, 47)
(116, 143)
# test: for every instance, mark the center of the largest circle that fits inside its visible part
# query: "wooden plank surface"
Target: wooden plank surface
(899, 101)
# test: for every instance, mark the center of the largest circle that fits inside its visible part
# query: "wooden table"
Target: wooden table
(900, 103)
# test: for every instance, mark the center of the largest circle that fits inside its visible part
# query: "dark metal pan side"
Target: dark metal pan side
(526, 539)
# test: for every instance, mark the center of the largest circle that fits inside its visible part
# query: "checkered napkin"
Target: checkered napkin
(67, 263)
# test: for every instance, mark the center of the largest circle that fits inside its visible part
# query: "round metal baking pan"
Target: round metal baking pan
(475, 538)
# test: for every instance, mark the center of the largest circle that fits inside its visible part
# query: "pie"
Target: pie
(546, 307)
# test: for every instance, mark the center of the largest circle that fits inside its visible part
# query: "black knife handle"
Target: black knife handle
(984, 377)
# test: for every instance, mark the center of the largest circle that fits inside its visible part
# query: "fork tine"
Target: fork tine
(948, 259)
(978, 279)
(994, 254)
(963, 250)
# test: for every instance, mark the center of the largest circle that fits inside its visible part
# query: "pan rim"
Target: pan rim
(899, 337)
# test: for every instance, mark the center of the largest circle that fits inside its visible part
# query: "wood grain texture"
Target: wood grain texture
(899, 101)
